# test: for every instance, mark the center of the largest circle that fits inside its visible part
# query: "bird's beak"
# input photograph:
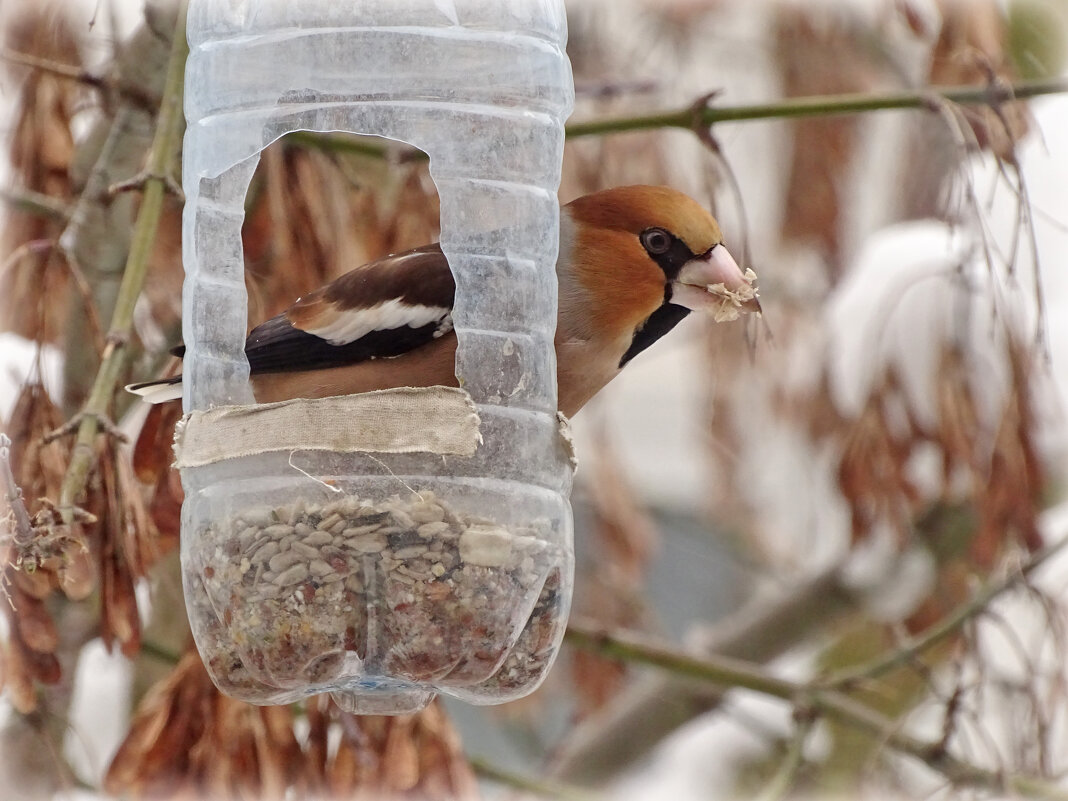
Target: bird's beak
(714, 283)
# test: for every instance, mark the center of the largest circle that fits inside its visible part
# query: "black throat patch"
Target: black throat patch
(659, 323)
(668, 315)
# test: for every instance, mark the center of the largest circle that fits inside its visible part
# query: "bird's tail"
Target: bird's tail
(159, 391)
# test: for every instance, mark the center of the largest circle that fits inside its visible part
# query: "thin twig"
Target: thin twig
(530, 784)
(733, 673)
(161, 156)
(913, 647)
(81, 283)
(700, 117)
(160, 652)
(129, 91)
(37, 247)
(820, 105)
(22, 532)
(140, 181)
(624, 732)
(31, 202)
(793, 760)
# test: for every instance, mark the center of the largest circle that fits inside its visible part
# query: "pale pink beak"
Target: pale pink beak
(714, 283)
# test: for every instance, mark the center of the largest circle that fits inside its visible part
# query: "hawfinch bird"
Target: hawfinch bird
(633, 262)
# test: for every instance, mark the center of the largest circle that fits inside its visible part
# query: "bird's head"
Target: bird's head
(648, 255)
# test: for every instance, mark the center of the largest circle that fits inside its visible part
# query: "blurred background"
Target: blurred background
(861, 493)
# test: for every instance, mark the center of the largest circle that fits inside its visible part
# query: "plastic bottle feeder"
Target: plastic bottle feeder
(386, 546)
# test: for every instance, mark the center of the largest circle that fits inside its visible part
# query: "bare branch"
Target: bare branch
(529, 784)
(699, 115)
(164, 147)
(141, 180)
(22, 530)
(624, 732)
(129, 91)
(31, 202)
(784, 779)
(908, 650)
(820, 105)
(733, 673)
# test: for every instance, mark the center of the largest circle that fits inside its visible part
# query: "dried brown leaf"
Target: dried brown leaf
(44, 667)
(317, 744)
(186, 737)
(32, 293)
(123, 539)
(153, 452)
(35, 625)
(35, 583)
(162, 291)
(76, 577)
(400, 759)
(165, 509)
(344, 773)
(597, 680)
(1009, 501)
(39, 466)
(972, 47)
(164, 728)
(139, 536)
(827, 56)
(19, 679)
(913, 17)
(613, 588)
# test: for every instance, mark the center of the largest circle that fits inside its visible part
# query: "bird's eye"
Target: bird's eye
(656, 241)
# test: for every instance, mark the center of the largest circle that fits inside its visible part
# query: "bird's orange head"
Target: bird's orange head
(634, 249)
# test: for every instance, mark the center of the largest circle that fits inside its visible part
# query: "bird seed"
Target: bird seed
(733, 302)
(311, 597)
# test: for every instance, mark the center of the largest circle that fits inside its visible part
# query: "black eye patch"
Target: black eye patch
(671, 258)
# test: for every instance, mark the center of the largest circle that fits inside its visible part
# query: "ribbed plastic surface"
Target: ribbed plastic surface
(438, 574)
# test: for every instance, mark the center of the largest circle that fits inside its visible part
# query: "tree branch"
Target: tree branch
(97, 237)
(914, 646)
(529, 784)
(793, 760)
(129, 91)
(703, 115)
(31, 202)
(821, 105)
(625, 731)
(732, 673)
(164, 148)
(21, 527)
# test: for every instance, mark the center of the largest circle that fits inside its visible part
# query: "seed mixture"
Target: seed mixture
(733, 302)
(313, 594)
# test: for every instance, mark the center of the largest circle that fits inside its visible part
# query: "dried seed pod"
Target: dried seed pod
(76, 577)
(33, 581)
(36, 627)
(19, 679)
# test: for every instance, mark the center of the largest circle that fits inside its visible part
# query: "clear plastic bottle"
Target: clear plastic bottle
(381, 577)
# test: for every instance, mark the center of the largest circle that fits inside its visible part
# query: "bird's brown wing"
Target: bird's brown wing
(385, 308)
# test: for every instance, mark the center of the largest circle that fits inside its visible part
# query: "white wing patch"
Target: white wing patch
(348, 326)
